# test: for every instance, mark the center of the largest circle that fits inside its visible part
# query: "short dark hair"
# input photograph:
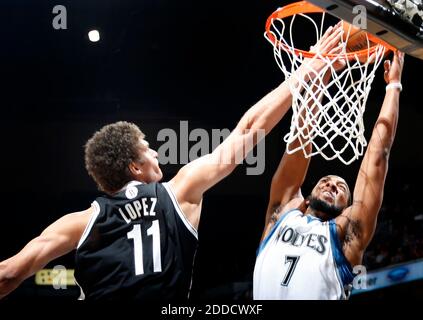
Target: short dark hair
(109, 152)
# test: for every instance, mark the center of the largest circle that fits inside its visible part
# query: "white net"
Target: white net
(327, 116)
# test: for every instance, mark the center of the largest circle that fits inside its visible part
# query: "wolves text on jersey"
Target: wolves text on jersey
(314, 241)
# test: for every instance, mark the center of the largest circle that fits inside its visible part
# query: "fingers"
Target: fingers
(334, 35)
(387, 65)
(332, 39)
(399, 55)
(398, 58)
(338, 49)
(329, 34)
(318, 44)
(372, 58)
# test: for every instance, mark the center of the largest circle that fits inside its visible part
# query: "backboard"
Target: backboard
(382, 21)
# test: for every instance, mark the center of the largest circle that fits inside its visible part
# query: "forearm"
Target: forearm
(266, 113)
(277, 103)
(8, 279)
(25, 263)
(57, 239)
(33, 257)
(386, 124)
(374, 166)
(307, 118)
(368, 191)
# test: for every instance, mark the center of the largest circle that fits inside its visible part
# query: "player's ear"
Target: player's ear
(135, 168)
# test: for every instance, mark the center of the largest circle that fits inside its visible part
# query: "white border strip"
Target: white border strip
(179, 210)
(90, 223)
(81, 291)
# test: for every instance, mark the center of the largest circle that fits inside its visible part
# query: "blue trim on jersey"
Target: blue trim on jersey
(266, 240)
(310, 218)
(343, 266)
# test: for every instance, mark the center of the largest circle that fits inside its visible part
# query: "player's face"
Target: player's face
(333, 190)
(150, 168)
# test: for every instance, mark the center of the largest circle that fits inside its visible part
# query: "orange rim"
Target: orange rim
(306, 7)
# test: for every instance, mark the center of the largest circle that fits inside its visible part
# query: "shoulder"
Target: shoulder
(296, 203)
(80, 219)
(69, 228)
(279, 211)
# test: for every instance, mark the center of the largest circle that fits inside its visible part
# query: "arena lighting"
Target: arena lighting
(94, 36)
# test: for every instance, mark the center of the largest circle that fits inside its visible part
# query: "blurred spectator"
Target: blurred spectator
(399, 233)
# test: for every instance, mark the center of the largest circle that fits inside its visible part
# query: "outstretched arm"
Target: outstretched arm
(358, 222)
(56, 240)
(198, 176)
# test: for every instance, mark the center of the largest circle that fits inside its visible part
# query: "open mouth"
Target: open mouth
(329, 196)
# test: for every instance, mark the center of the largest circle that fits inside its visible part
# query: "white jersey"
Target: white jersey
(301, 258)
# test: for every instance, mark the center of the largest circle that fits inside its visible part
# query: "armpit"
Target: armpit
(275, 215)
(353, 230)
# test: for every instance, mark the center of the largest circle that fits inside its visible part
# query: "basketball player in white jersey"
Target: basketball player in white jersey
(139, 240)
(309, 246)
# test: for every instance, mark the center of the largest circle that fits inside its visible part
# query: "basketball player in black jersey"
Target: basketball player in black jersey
(138, 241)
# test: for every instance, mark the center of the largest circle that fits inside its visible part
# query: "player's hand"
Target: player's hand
(329, 43)
(393, 71)
(340, 62)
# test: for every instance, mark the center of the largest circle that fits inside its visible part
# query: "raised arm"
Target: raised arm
(56, 240)
(292, 170)
(358, 222)
(198, 176)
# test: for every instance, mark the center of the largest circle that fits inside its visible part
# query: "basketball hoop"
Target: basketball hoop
(329, 117)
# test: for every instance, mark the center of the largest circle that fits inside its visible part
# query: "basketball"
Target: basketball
(356, 38)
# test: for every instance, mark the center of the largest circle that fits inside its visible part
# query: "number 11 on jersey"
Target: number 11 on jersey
(136, 235)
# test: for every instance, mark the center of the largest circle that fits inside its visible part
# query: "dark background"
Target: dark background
(158, 62)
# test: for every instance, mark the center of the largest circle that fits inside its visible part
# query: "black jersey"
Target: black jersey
(138, 245)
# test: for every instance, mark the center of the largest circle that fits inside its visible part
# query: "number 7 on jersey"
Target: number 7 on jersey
(292, 260)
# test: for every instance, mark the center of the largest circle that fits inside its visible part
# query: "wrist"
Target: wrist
(309, 69)
(395, 85)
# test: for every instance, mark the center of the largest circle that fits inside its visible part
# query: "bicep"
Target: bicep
(274, 213)
(68, 228)
(286, 183)
(272, 216)
(56, 240)
(368, 194)
(288, 178)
